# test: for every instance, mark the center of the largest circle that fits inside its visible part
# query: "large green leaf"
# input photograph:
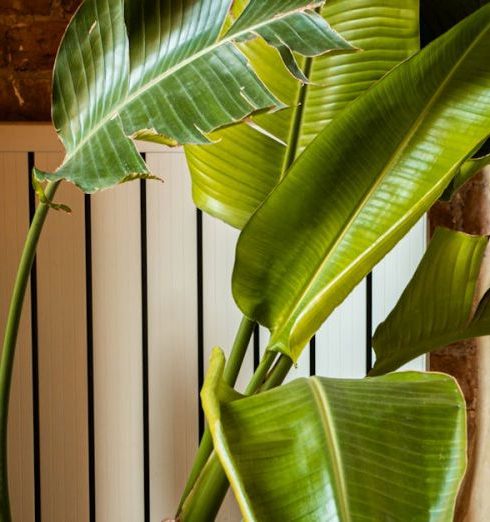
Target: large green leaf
(437, 17)
(437, 307)
(162, 70)
(234, 175)
(378, 449)
(363, 183)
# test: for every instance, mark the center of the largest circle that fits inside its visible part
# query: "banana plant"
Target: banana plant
(334, 182)
(347, 200)
(294, 267)
(232, 176)
(439, 305)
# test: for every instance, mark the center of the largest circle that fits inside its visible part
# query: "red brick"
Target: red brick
(4, 55)
(31, 7)
(70, 6)
(25, 98)
(33, 46)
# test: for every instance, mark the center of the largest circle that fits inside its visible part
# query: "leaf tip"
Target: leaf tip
(141, 175)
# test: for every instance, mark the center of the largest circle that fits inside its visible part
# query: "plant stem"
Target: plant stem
(238, 351)
(278, 373)
(260, 374)
(10, 339)
(206, 498)
(207, 495)
(230, 375)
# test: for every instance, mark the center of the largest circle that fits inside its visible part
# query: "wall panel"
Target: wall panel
(117, 339)
(392, 275)
(172, 287)
(341, 341)
(14, 222)
(61, 309)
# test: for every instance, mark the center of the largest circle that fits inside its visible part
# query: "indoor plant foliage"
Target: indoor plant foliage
(335, 162)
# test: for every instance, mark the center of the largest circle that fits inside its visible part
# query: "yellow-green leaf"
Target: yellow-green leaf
(232, 177)
(362, 184)
(317, 450)
(437, 307)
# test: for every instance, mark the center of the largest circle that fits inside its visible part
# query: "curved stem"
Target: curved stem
(230, 375)
(10, 339)
(260, 374)
(278, 373)
(238, 351)
(207, 495)
(205, 499)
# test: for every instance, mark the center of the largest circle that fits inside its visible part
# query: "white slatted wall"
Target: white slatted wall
(130, 292)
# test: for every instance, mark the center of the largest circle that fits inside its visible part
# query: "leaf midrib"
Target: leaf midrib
(296, 122)
(298, 116)
(362, 203)
(323, 406)
(120, 108)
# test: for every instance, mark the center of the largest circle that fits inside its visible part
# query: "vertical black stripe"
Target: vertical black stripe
(144, 319)
(200, 317)
(313, 356)
(35, 356)
(256, 346)
(90, 356)
(369, 322)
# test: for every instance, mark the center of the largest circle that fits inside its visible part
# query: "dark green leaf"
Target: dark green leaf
(160, 70)
(363, 183)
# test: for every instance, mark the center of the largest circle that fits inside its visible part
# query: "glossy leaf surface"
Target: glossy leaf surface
(234, 175)
(435, 19)
(386, 448)
(162, 70)
(364, 182)
(437, 307)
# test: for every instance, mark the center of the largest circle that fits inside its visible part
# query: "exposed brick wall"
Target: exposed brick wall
(468, 211)
(30, 31)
